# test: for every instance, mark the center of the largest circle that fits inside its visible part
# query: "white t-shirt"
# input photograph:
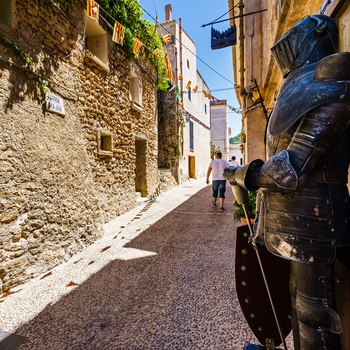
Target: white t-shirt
(217, 169)
(233, 163)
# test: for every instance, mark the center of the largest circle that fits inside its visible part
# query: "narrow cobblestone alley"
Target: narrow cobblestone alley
(162, 280)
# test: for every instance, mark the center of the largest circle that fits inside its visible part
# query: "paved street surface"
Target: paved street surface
(162, 277)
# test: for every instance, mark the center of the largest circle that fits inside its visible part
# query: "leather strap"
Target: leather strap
(329, 177)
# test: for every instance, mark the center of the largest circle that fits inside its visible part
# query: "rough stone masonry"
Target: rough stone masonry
(63, 176)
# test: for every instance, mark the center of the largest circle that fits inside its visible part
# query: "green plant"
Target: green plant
(129, 14)
(250, 207)
(26, 59)
(68, 3)
(213, 150)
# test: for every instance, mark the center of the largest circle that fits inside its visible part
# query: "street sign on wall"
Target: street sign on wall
(55, 104)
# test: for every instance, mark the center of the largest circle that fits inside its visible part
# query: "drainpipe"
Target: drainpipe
(182, 80)
(241, 48)
(180, 42)
(243, 93)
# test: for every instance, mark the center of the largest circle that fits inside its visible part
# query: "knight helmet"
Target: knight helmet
(313, 38)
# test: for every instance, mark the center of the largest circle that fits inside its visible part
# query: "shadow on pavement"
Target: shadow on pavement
(183, 297)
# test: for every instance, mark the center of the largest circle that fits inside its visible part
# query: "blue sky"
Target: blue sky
(215, 66)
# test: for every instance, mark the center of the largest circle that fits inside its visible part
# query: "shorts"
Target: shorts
(219, 187)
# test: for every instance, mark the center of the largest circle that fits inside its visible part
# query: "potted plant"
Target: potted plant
(242, 136)
(239, 215)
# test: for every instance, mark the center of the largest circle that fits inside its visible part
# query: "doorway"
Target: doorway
(140, 168)
(192, 167)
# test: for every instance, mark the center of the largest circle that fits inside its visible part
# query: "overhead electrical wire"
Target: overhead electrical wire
(225, 13)
(231, 82)
(156, 20)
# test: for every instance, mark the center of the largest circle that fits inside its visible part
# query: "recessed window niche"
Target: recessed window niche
(96, 43)
(104, 143)
(135, 88)
(6, 12)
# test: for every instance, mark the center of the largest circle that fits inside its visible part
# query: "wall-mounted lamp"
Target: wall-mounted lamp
(255, 94)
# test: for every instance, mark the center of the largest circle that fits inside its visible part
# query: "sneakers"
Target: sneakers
(222, 208)
(213, 204)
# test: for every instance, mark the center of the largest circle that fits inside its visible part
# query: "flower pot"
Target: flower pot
(245, 222)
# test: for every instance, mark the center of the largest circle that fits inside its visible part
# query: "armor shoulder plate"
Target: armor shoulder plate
(334, 67)
(303, 93)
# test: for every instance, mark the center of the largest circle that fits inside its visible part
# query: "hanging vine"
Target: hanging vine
(25, 58)
(68, 3)
(128, 13)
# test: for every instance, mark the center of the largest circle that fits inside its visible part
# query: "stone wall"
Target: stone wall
(57, 186)
(169, 130)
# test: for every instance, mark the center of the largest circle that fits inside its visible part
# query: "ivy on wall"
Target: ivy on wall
(68, 3)
(128, 13)
(26, 59)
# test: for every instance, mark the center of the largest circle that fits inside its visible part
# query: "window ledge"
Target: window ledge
(107, 154)
(136, 106)
(96, 60)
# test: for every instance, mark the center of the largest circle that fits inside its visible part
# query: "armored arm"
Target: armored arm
(317, 132)
(248, 177)
(289, 169)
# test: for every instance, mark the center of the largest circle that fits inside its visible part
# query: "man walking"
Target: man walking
(216, 168)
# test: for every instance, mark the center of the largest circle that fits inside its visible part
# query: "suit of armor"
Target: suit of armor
(304, 204)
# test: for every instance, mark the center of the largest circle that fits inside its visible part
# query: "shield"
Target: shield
(342, 292)
(252, 293)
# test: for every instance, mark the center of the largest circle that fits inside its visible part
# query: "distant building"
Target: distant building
(184, 111)
(219, 127)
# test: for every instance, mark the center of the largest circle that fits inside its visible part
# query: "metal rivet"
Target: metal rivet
(244, 283)
(259, 329)
(244, 251)
(252, 315)
(247, 300)
(243, 268)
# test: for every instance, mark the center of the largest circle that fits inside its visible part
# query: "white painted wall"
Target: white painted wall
(197, 107)
(219, 127)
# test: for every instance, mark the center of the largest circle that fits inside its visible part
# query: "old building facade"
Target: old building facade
(259, 25)
(184, 112)
(78, 134)
(219, 127)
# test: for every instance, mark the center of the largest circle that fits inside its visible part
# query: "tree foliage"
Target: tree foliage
(234, 140)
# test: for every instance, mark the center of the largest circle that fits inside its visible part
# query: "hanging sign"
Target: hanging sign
(220, 40)
(55, 104)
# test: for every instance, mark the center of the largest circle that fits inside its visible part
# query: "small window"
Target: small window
(6, 12)
(205, 108)
(191, 136)
(104, 143)
(96, 43)
(189, 94)
(188, 64)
